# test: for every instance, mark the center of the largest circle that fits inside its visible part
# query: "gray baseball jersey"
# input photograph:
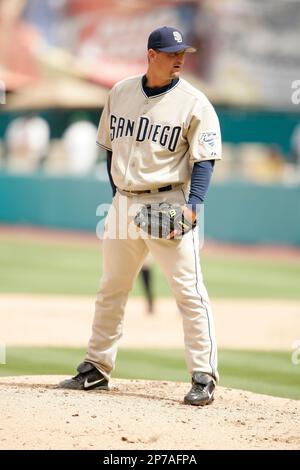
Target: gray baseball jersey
(156, 139)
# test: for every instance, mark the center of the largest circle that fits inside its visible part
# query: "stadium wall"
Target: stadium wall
(234, 212)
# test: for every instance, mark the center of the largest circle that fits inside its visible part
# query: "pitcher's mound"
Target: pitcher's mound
(138, 414)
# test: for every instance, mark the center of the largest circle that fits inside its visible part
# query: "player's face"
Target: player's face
(168, 65)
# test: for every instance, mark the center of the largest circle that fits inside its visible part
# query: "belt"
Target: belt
(151, 191)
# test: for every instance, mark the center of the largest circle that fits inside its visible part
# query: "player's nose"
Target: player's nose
(179, 59)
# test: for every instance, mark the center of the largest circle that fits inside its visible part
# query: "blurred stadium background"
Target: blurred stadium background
(58, 59)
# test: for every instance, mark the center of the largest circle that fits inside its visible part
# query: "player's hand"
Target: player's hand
(189, 215)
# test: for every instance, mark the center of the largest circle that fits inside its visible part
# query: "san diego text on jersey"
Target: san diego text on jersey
(167, 136)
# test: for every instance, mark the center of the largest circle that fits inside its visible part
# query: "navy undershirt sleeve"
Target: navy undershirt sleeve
(201, 176)
(108, 164)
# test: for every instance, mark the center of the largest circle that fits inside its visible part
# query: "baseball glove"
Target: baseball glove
(160, 220)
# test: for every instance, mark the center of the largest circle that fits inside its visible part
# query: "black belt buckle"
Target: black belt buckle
(165, 188)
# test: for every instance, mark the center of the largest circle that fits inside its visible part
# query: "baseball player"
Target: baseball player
(147, 279)
(162, 138)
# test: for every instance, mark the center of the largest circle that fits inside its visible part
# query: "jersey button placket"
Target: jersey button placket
(132, 161)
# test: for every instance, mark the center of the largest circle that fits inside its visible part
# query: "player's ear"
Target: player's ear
(152, 53)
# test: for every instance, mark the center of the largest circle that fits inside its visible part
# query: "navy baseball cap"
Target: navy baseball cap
(167, 39)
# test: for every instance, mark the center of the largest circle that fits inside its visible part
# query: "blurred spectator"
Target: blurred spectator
(20, 45)
(204, 37)
(261, 163)
(276, 163)
(295, 146)
(79, 141)
(27, 143)
(46, 15)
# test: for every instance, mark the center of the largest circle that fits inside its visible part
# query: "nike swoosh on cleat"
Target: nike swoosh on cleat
(88, 384)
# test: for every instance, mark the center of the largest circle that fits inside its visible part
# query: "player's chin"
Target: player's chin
(175, 73)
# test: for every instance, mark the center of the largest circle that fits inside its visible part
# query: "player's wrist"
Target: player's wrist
(190, 213)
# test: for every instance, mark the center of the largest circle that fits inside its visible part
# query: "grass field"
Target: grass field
(271, 373)
(42, 267)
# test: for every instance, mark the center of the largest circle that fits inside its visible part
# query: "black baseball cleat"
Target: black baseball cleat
(202, 391)
(89, 378)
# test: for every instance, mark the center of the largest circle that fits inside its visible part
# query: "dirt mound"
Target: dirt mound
(140, 414)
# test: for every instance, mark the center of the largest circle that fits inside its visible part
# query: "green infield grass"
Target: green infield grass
(45, 268)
